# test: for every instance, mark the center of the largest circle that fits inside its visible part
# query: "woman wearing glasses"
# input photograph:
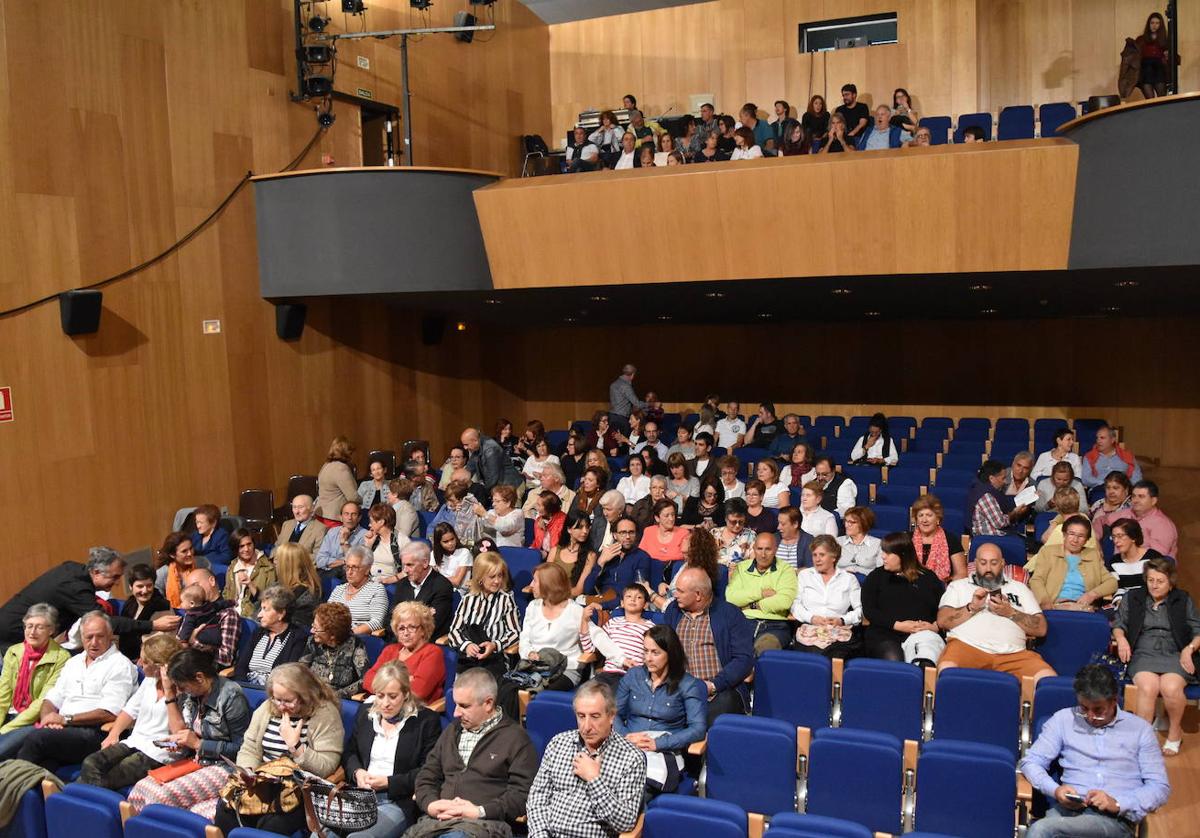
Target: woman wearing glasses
(412, 623)
(30, 670)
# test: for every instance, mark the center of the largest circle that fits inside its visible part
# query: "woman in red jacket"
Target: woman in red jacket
(412, 623)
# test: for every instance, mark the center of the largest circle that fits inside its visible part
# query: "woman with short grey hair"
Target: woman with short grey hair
(30, 669)
(277, 640)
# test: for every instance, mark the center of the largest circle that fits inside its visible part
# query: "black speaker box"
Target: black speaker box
(432, 329)
(80, 311)
(289, 320)
(464, 19)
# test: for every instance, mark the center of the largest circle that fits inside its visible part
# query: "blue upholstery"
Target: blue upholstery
(891, 518)
(901, 427)
(952, 498)
(968, 442)
(939, 128)
(678, 816)
(987, 784)
(982, 120)
(1053, 114)
(584, 426)
(749, 456)
(1073, 640)
(927, 443)
(1043, 433)
(159, 821)
(751, 761)
(248, 832)
(78, 804)
(254, 696)
(1042, 523)
(864, 476)
(1012, 546)
(918, 460)
(30, 818)
(557, 440)
(908, 475)
(1004, 450)
(953, 518)
(1012, 428)
(884, 696)
(793, 825)
(973, 426)
(549, 713)
(897, 495)
(944, 423)
(349, 714)
(425, 519)
(956, 477)
(875, 762)
(529, 524)
(1016, 123)
(967, 461)
(450, 661)
(521, 561)
(374, 646)
(825, 425)
(796, 688)
(1049, 696)
(1085, 433)
(978, 705)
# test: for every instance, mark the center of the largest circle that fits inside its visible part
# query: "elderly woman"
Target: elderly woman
(758, 517)
(302, 720)
(412, 624)
(642, 512)
(251, 573)
(384, 542)
(680, 485)
(334, 653)
(391, 739)
(661, 708)
(1157, 630)
(1069, 575)
(374, 489)
(728, 467)
(335, 481)
(1114, 506)
(938, 550)
(776, 494)
(828, 604)
(486, 622)
(735, 540)
(816, 519)
(1130, 554)
(295, 571)
(663, 541)
(30, 670)
(122, 763)
(452, 559)
(365, 597)
(456, 459)
(799, 469)
(176, 559)
(1061, 477)
(207, 716)
(552, 621)
(504, 521)
(399, 498)
(860, 549)
(900, 602)
(708, 510)
(277, 640)
(209, 540)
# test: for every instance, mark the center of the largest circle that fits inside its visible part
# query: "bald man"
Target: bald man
(302, 528)
(488, 462)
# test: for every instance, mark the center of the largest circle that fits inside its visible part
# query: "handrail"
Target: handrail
(1127, 106)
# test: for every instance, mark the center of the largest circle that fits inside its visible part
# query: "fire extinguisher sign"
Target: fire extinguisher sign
(6, 405)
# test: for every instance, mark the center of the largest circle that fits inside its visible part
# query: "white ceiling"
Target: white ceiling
(562, 11)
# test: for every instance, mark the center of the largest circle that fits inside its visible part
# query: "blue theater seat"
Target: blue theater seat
(1073, 640)
(1054, 114)
(29, 820)
(78, 804)
(977, 705)
(980, 120)
(679, 816)
(883, 696)
(1051, 694)
(1016, 123)
(990, 774)
(794, 825)
(795, 688)
(1011, 546)
(159, 821)
(874, 760)
(939, 128)
(751, 761)
(549, 713)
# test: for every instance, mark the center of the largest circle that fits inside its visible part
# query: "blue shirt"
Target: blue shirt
(331, 547)
(622, 571)
(1122, 759)
(1106, 463)
(1072, 586)
(682, 713)
(782, 445)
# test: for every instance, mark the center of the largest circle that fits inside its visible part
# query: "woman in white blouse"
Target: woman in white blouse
(828, 604)
(637, 485)
(732, 487)
(505, 518)
(552, 622)
(743, 139)
(777, 494)
(876, 447)
(860, 549)
(815, 519)
(1063, 450)
(541, 457)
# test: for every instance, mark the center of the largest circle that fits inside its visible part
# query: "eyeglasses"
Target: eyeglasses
(1088, 716)
(36, 627)
(407, 628)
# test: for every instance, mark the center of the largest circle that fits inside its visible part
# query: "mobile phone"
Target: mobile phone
(1074, 797)
(166, 744)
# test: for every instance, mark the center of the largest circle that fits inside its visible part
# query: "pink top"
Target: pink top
(669, 552)
(1159, 532)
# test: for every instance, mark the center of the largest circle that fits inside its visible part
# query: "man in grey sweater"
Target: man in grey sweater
(622, 400)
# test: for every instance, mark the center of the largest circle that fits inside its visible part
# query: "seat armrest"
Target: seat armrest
(697, 749)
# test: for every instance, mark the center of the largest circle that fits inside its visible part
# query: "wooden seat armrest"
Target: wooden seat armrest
(212, 831)
(127, 812)
(49, 787)
(1024, 789)
(444, 640)
(227, 672)
(438, 706)
(378, 633)
(697, 749)
(359, 696)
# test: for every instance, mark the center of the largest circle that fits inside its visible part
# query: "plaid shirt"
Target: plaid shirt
(695, 633)
(468, 739)
(562, 805)
(988, 518)
(230, 623)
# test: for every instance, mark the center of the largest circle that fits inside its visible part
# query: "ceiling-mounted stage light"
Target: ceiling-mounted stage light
(317, 23)
(317, 54)
(325, 118)
(318, 86)
(353, 7)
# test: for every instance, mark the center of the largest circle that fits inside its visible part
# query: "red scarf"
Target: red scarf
(939, 553)
(29, 660)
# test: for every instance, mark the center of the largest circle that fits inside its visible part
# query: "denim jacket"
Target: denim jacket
(682, 714)
(224, 716)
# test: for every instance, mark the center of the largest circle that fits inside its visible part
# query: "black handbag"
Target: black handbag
(341, 807)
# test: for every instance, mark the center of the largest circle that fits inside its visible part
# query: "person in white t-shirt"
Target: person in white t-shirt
(628, 152)
(636, 485)
(728, 467)
(1063, 451)
(731, 431)
(988, 620)
(815, 520)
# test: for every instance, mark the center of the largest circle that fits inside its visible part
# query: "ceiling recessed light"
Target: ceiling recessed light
(988, 311)
(568, 319)
(871, 313)
(1112, 309)
(664, 317)
(714, 295)
(598, 298)
(981, 287)
(1126, 283)
(840, 291)
(492, 301)
(766, 315)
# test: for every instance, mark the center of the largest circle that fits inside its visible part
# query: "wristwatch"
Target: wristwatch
(171, 700)
(482, 813)
(67, 719)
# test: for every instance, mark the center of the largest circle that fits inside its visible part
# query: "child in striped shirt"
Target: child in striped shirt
(620, 641)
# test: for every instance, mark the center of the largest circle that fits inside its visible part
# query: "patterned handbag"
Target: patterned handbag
(341, 807)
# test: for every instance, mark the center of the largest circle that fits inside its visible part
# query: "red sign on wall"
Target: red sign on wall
(6, 405)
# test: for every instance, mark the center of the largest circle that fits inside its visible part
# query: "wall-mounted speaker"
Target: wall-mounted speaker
(289, 320)
(464, 19)
(80, 311)
(432, 329)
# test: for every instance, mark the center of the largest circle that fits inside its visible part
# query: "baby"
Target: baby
(199, 613)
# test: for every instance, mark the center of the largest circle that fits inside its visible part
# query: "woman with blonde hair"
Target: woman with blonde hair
(486, 621)
(412, 624)
(552, 621)
(295, 571)
(302, 720)
(335, 482)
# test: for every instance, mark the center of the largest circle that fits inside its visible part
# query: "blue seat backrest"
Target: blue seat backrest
(159, 821)
(751, 761)
(349, 714)
(746, 456)
(548, 715)
(1042, 523)
(945, 423)
(969, 461)
(919, 460)
(1085, 433)
(884, 696)
(908, 475)
(939, 128)
(78, 804)
(1011, 546)
(425, 525)
(974, 424)
(954, 519)
(29, 820)
(529, 524)
(926, 443)
(1054, 114)
(1016, 123)
(890, 495)
(680, 816)
(875, 762)
(1073, 640)
(864, 476)
(521, 561)
(1049, 696)
(891, 518)
(901, 427)
(374, 646)
(982, 120)
(450, 661)
(959, 477)
(1003, 450)
(1043, 433)
(978, 706)
(254, 696)
(795, 825)
(990, 775)
(250, 832)
(795, 688)
(1010, 427)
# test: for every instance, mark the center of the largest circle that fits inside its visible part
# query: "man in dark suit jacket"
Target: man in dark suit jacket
(604, 519)
(422, 583)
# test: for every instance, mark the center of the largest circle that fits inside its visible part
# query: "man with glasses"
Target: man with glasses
(620, 564)
(423, 584)
(840, 492)
(1112, 768)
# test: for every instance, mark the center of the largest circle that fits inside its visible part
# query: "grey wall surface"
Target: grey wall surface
(370, 232)
(563, 11)
(1137, 193)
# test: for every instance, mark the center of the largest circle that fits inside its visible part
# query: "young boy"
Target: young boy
(143, 605)
(620, 641)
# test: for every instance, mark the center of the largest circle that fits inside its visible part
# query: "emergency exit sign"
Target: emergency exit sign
(6, 405)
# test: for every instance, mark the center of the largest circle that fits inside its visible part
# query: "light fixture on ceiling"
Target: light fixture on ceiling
(568, 319)
(871, 313)
(1112, 309)
(839, 291)
(714, 295)
(598, 298)
(988, 311)
(1126, 283)
(664, 317)
(981, 287)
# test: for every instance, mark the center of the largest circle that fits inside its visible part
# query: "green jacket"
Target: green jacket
(44, 675)
(746, 587)
(262, 577)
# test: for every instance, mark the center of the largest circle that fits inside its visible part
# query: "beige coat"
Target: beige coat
(335, 486)
(310, 539)
(1051, 572)
(323, 744)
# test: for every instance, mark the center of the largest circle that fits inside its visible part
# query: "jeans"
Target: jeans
(1064, 823)
(10, 742)
(116, 767)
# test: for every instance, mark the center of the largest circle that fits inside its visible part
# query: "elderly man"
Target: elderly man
(591, 780)
(338, 541)
(303, 528)
(1107, 456)
(1112, 769)
(551, 479)
(882, 134)
(620, 564)
(622, 400)
(488, 462)
(718, 640)
(229, 621)
(781, 446)
(1158, 530)
(91, 689)
(839, 491)
(72, 588)
(1018, 474)
(764, 588)
(423, 584)
(989, 619)
(480, 769)
(604, 520)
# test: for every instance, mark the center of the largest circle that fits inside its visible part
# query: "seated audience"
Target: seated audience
(881, 134)
(504, 521)
(536, 462)
(816, 519)
(799, 469)
(1066, 503)
(680, 485)
(217, 625)
(795, 143)
(144, 602)
(574, 553)
(90, 691)
(636, 485)
(731, 430)
(302, 720)
(607, 138)
(699, 550)
(875, 447)
(684, 444)
(711, 151)
(451, 558)
(619, 640)
(1116, 504)
(1018, 474)
(296, 572)
(1062, 452)
(651, 428)
(603, 436)
(758, 517)
(1069, 575)
(764, 588)
(384, 542)
(591, 487)
(335, 483)
(591, 780)
(481, 768)
(486, 622)
(1157, 630)
(303, 528)
(726, 143)
(972, 134)
(708, 509)
(583, 155)
(391, 740)
(989, 619)
(828, 604)
(628, 154)
(251, 573)
(31, 669)
(553, 480)
(855, 115)
(708, 124)
(765, 427)
(1158, 530)
(209, 540)
(487, 461)
(718, 642)
(937, 549)
(643, 511)
(399, 498)
(456, 459)
(816, 121)
(744, 146)
(551, 622)
(795, 544)
(646, 133)
(860, 549)
(775, 494)
(989, 510)
(839, 139)
(703, 461)
(734, 540)
(839, 492)
(459, 512)
(334, 653)
(1061, 477)
(1104, 789)
(176, 559)
(664, 148)
(760, 131)
(904, 116)
(1130, 555)
(645, 158)
(663, 541)
(424, 494)
(331, 555)
(122, 763)
(374, 489)
(1105, 457)
(619, 565)
(277, 640)
(364, 598)
(412, 625)
(783, 443)
(728, 467)
(900, 603)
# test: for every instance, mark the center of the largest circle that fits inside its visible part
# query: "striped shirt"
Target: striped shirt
(619, 641)
(262, 659)
(273, 746)
(495, 613)
(369, 605)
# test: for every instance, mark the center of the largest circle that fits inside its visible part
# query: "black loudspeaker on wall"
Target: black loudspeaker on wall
(432, 329)
(464, 19)
(289, 320)
(80, 311)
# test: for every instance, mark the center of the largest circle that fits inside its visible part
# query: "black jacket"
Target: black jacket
(130, 643)
(293, 648)
(68, 588)
(416, 740)
(437, 593)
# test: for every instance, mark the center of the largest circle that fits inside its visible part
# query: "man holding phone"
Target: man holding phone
(1096, 743)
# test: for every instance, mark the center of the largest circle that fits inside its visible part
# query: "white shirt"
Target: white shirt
(847, 496)
(533, 469)
(510, 528)
(1045, 463)
(818, 522)
(986, 631)
(451, 564)
(625, 161)
(728, 431)
(150, 715)
(587, 153)
(862, 557)
(737, 490)
(703, 429)
(105, 685)
(875, 452)
(383, 748)
(777, 496)
(785, 476)
(746, 153)
(840, 597)
(633, 489)
(561, 634)
(608, 136)
(700, 466)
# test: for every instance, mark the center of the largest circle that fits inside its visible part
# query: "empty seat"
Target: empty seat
(939, 128)
(1044, 431)
(907, 475)
(885, 696)
(794, 825)
(956, 477)
(795, 688)
(1004, 450)
(1012, 546)
(1016, 123)
(557, 440)
(159, 821)
(828, 425)
(891, 518)
(945, 423)
(29, 819)
(973, 425)
(424, 521)
(1052, 115)
(1085, 433)
(919, 459)
(978, 705)
(748, 456)
(751, 761)
(874, 761)
(1073, 640)
(901, 427)
(1011, 428)
(988, 771)
(548, 714)
(894, 495)
(926, 444)
(78, 804)
(954, 519)
(965, 461)
(256, 506)
(980, 120)
(680, 816)
(864, 476)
